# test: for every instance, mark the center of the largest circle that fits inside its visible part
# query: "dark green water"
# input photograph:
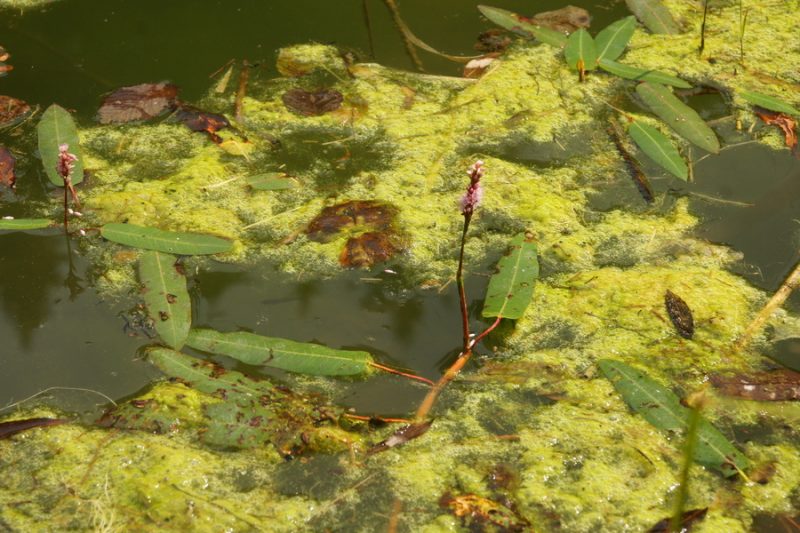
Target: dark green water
(57, 332)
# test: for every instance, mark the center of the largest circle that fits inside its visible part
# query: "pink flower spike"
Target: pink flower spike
(474, 193)
(66, 162)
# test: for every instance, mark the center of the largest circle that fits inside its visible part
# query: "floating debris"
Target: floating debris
(138, 102)
(680, 314)
(311, 104)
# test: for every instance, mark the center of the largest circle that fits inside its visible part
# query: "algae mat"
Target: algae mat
(533, 437)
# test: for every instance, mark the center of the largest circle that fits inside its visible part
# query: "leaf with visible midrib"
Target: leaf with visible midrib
(171, 242)
(662, 408)
(511, 288)
(513, 22)
(166, 297)
(659, 148)
(768, 102)
(613, 39)
(55, 128)
(654, 15)
(581, 47)
(678, 116)
(639, 74)
(19, 224)
(300, 357)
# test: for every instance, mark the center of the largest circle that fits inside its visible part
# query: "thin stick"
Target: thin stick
(368, 24)
(401, 373)
(780, 296)
(703, 28)
(244, 75)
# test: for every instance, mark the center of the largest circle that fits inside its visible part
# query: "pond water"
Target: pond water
(58, 333)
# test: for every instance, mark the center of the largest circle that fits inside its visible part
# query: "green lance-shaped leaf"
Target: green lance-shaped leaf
(520, 25)
(581, 47)
(678, 116)
(55, 128)
(654, 15)
(21, 224)
(271, 181)
(511, 288)
(768, 102)
(661, 407)
(166, 297)
(639, 74)
(170, 242)
(659, 148)
(613, 39)
(300, 357)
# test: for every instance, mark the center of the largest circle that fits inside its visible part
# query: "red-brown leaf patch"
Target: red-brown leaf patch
(309, 104)
(334, 219)
(12, 110)
(778, 385)
(7, 162)
(787, 124)
(368, 249)
(138, 102)
(199, 120)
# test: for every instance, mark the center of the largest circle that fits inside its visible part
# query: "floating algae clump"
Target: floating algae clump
(535, 431)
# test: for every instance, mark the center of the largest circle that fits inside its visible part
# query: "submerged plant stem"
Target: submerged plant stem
(412, 52)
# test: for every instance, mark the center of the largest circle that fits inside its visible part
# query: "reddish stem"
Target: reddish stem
(488, 330)
(462, 296)
(400, 373)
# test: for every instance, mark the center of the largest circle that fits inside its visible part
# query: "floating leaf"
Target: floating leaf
(639, 74)
(680, 314)
(55, 128)
(511, 288)
(170, 242)
(678, 116)
(522, 26)
(300, 357)
(271, 181)
(783, 121)
(580, 51)
(768, 102)
(309, 104)
(631, 165)
(654, 15)
(8, 429)
(369, 214)
(137, 102)
(613, 39)
(166, 297)
(662, 408)
(659, 148)
(7, 163)
(12, 111)
(199, 120)
(19, 224)
(777, 385)
(688, 518)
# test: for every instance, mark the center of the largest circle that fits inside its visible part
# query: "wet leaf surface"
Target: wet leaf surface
(523, 26)
(612, 40)
(688, 520)
(659, 148)
(309, 104)
(348, 216)
(20, 224)
(632, 165)
(55, 128)
(368, 249)
(300, 357)
(12, 111)
(581, 52)
(171, 242)
(680, 314)
(787, 125)
(138, 102)
(166, 297)
(8, 176)
(401, 436)
(654, 15)
(198, 120)
(629, 72)
(511, 288)
(478, 513)
(662, 408)
(778, 385)
(769, 102)
(9, 429)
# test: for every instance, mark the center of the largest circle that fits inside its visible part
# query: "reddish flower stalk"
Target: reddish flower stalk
(64, 168)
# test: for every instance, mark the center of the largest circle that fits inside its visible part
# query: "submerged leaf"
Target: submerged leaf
(309, 104)
(680, 117)
(199, 120)
(55, 128)
(659, 406)
(271, 181)
(688, 518)
(511, 288)
(654, 15)
(775, 386)
(12, 111)
(522, 26)
(137, 102)
(171, 242)
(580, 51)
(7, 163)
(769, 102)
(368, 249)
(368, 214)
(639, 74)
(300, 357)
(680, 314)
(8, 429)
(613, 39)
(19, 224)
(659, 148)
(166, 297)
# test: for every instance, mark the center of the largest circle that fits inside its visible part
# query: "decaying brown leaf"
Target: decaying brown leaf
(368, 249)
(309, 104)
(687, 521)
(680, 314)
(7, 162)
(778, 385)
(401, 436)
(480, 512)
(494, 40)
(566, 20)
(138, 102)
(198, 120)
(12, 110)
(476, 67)
(786, 123)
(334, 219)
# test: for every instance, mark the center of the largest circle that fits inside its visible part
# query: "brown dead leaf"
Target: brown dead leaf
(476, 67)
(778, 385)
(680, 314)
(786, 123)
(311, 104)
(12, 110)
(198, 120)
(334, 219)
(138, 102)
(7, 162)
(479, 512)
(368, 249)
